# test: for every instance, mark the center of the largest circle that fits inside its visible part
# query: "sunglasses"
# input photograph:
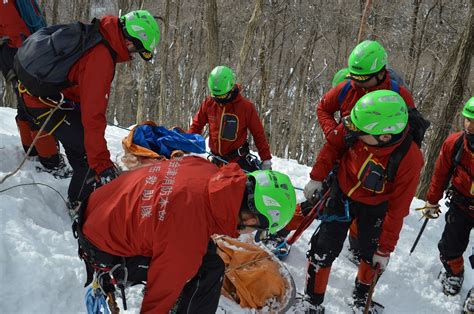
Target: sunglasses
(361, 78)
(223, 96)
(351, 127)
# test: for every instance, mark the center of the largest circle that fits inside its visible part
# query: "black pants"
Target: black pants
(71, 134)
(201, 294)
(455, 238)
(327, 242)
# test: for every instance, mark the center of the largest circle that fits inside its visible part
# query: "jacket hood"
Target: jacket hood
(110, 29)
(226, 190)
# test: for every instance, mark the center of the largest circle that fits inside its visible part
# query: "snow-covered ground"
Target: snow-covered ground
(41, 273)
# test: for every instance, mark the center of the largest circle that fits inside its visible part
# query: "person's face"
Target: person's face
(372, 82)
(469, 125)
(371, 140)
(248, 219)
(130, 46)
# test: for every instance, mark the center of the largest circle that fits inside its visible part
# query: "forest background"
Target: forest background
(285, 54)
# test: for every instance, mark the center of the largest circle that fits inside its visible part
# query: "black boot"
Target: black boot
(451, 283)
(360, 295)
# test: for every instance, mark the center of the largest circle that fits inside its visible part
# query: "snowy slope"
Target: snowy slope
(41, 273)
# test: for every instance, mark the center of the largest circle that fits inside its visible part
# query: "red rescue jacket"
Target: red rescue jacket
(461, 180)
(353, 160)
(92, 76)
(167, 210)
(329, 104)
(222, 143)
(11, 24)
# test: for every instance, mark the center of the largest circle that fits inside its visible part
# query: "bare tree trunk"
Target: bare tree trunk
(141, 97)
(249, 34)
(213, 53)
(164, 62)
(411, 49)
(363, 21)
(453, 104)
(55, 19)
(419, 49)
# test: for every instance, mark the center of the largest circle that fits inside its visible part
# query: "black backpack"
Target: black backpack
(43, 62)
(418, 126)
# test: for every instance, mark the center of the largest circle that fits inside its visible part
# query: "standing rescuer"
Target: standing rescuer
(230, 116)
(453, 173)
(362, 187)
(13, 31)
(80, 122)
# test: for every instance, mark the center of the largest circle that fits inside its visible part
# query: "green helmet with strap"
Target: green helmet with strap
(380, 112)
(142, 30)
(468, 110)
(221, 80)
(340, 76)
(274, 198)
(367, 58)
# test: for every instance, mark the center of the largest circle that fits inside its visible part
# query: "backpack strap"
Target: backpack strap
(396, 157)
(458, 150)
(343, 93)
(395, 86)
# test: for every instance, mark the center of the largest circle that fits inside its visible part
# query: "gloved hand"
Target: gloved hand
(381, 257)
(430, 211)
(106, 176)
(311, 188)
(267, 165)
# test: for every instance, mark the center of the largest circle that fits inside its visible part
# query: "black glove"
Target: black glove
(106, 176)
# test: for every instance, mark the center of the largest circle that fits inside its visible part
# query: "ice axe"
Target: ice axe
(427, 216)
(372, 288)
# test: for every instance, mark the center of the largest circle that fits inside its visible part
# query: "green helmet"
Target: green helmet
(380, 112)
(367, 58)
(468, 110)
(274, 198)
(340, 76)
(221, 80)
(142, 30)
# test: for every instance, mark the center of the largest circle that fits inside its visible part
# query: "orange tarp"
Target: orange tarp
(251, 277)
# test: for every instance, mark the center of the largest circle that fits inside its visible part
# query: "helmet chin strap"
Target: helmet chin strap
(379, 81)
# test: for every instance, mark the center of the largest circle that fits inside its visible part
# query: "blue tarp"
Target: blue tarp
(163, 141)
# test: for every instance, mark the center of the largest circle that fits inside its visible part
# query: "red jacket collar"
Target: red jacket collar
(109, 27)
(380, 151)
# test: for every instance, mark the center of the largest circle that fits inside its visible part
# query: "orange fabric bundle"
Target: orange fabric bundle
(138, 150)
(251, 276)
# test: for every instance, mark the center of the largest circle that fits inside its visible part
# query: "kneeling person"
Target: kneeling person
(166, 212)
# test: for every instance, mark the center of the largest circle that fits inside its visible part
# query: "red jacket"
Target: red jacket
(329, 104)
(399, 193)
(11, 24)
(92, 76)
(460, 179)
(167, 210)
(247, 119)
